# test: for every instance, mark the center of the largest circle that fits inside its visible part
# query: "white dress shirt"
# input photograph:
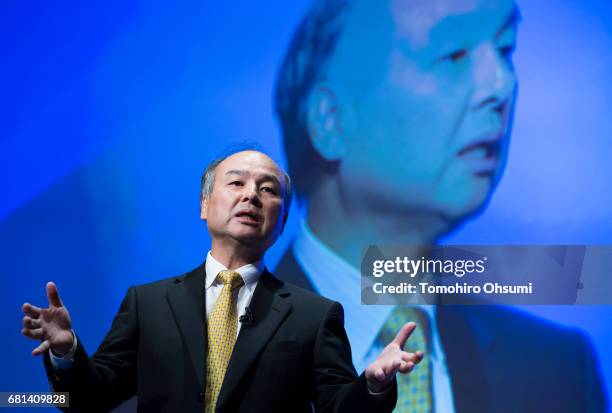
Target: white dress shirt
(334, 278)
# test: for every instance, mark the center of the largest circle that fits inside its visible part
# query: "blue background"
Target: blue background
(111, 110)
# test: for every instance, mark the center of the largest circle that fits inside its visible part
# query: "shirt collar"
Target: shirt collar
(336, 279)
(250, 273)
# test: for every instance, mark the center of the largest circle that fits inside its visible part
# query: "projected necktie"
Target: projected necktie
(222, 329)
(415, 388)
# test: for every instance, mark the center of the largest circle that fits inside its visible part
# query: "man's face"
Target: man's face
(426, 94)
(246, 204)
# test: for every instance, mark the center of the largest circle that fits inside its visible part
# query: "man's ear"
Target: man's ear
(324, 122)
(203, 208)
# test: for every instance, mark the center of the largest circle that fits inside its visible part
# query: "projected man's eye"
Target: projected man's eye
(455, 56)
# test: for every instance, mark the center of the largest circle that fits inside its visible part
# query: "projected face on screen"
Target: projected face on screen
(425, 91)
(414, 104)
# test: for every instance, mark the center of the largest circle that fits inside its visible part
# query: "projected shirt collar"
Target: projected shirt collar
(334, 278)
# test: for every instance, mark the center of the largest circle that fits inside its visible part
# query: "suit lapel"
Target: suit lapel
(270, 304)
(186, 298)
(466, 351)
(290, 271)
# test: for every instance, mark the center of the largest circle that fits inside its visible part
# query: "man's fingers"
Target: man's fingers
(406, 367)
(402, 363)
(31, 310)
(402, 336)
(30, 323)
(35, 334)
(392, 367)
(394, 359)
(53, 295)
(44, 346)
(415, 357)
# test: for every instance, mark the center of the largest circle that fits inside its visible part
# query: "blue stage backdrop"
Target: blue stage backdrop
(111, 110)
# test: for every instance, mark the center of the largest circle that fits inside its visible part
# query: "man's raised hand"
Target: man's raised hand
(393, 358)
(52, 325)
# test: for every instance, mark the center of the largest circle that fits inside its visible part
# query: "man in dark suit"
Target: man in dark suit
(396, 118)
(179, 346)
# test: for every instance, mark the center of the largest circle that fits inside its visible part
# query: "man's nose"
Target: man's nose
(251, 194)
(494, 78)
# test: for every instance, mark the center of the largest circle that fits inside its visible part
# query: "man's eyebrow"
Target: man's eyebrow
(270, 177)
(513, 19)
(264, 176)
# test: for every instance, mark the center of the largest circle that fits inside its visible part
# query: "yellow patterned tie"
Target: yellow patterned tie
(222, 329)
(415, 388)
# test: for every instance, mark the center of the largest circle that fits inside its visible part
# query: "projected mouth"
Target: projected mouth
(482, 156)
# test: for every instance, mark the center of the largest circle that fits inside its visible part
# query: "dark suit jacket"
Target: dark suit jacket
(503, 360)
(294, 353)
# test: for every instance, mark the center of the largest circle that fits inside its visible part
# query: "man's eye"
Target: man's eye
(237, 183)
(269, 190)
(456, 55)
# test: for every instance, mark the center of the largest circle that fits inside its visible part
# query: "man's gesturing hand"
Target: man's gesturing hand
(50, 325)
(393, 358)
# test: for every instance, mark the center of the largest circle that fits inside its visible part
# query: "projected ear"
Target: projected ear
(203, 208)
(325, 123)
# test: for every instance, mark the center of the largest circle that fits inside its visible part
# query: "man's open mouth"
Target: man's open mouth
(482, 156)
(482, 149)
(249, 216)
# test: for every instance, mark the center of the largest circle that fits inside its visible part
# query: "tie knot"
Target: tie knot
(420, 338)
(231, 278)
